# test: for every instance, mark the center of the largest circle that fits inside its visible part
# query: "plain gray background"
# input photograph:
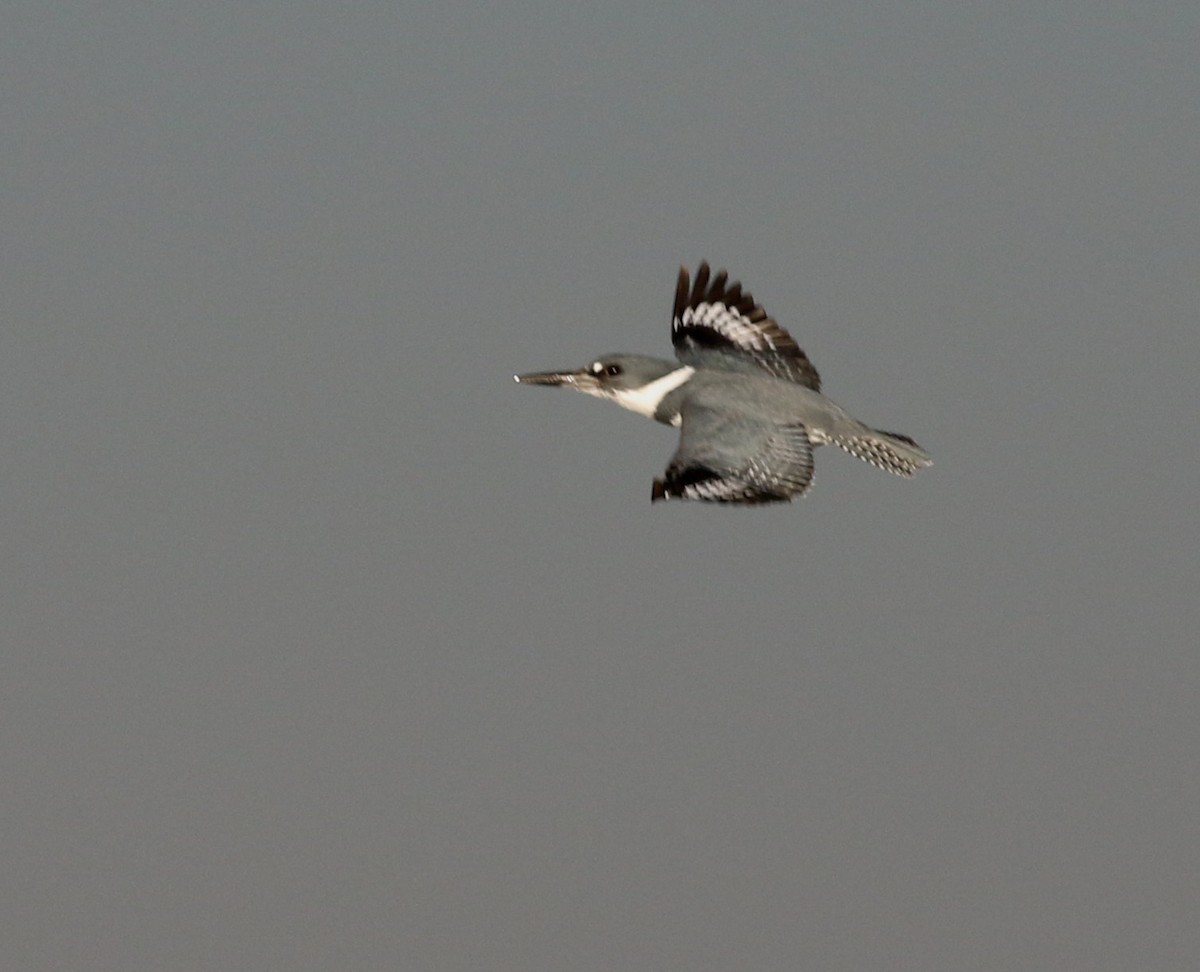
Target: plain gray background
(325, 646)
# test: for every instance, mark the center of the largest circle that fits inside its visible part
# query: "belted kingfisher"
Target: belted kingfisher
(746, 399)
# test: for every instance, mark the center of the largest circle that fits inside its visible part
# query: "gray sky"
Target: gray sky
(326, 646)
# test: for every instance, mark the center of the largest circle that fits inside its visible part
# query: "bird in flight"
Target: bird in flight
(744, 396)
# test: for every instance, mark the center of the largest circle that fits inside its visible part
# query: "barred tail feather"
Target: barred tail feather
(888, 450)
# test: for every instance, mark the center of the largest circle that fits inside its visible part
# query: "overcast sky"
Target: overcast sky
(326, 646)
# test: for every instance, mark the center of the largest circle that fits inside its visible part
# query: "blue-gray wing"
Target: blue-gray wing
(718, 325)
(725, 457)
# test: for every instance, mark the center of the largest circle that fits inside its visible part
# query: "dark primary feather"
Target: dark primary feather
(715, 321)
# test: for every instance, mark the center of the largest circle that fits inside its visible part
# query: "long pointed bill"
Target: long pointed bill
(580, 379)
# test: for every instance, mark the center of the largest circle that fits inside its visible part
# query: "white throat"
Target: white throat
(645, 400)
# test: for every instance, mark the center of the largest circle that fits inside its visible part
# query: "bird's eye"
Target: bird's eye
(613, 370)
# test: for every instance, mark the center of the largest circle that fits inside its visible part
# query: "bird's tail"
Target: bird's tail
(888, 450)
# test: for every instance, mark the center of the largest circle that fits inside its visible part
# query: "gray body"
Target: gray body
(746, 399)
(756, 395)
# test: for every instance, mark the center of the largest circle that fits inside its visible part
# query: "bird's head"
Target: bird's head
(609, 376)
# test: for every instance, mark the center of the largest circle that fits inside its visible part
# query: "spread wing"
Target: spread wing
(729, 458)
(716, 324)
